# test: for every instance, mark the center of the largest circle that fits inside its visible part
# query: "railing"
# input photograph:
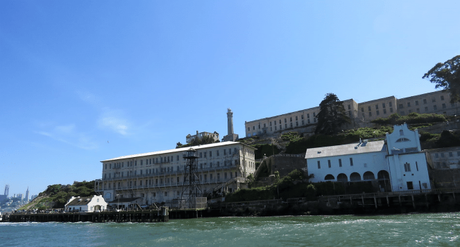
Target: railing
(172, 184)
(181, 171)
(247, 203)
(396, 193)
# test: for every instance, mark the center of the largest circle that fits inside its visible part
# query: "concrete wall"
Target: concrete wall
(445, 178)
(285, 164)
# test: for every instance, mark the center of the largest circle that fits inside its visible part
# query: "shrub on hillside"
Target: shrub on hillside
(412, 118)
(265, 149)
(59, 194)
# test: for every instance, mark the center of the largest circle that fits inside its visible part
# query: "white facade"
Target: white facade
(159, 176)
(86, 204)
(397, 163)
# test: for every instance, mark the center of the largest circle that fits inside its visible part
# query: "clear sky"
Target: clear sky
(87, 81)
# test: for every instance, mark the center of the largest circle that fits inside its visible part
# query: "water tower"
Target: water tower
(191, 187)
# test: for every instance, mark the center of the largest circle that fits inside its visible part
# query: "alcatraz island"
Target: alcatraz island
(382, 156)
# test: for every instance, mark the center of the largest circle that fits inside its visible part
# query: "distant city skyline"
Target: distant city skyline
(6, 193)
(87, 82)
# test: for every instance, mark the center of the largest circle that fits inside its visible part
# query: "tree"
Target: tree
(447, 76)
(331, 115)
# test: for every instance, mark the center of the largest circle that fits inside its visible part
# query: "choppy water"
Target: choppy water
(395, 230)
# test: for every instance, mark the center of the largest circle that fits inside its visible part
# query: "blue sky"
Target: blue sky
(87, 81)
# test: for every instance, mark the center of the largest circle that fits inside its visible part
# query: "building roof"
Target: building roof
(284, 114)
(80, 201)
(347, 149)
(375, 100)
(178, 150)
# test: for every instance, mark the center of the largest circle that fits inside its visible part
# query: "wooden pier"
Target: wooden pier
(161, 215)
(395, 202)
(429, 201)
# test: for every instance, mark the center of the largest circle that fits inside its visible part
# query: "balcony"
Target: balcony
(175, 184)
(176, 173)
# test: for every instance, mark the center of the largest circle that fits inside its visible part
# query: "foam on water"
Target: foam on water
(345, 230)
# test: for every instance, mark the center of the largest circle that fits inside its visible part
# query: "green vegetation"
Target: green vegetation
(447, 76)
(386, 126)
(282, 188)
(265, 149)
(198, 141)
(248, 140)
(331, 116)
(57, 195)
(412, 119)
(291, 136)
(349, 136)
(293, 186)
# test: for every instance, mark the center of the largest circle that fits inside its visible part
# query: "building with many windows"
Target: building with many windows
(444, 158)
(304, 121)
(159, 176)
(398, 164)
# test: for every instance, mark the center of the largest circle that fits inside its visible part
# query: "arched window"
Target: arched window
(329, 177)
(355, 177)
(384, 181)
(383, 175)
(401, 132)
(342, 178)
(403, 139)
(368, 176)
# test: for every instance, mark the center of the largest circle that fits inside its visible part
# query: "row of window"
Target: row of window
(377, 112)
(449, 154)
(435, 108)
(167, 169)
(417, 103)
(329, 165)
(377, 107)
(273, 123)
(444, 164)
(162, 181)
(286, 126)
(204, 154)
(407, 167)
(353, 177)
(167, 159)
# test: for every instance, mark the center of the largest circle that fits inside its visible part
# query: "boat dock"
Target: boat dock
(160, 215)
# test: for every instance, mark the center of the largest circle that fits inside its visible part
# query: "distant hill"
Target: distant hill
(57, 195)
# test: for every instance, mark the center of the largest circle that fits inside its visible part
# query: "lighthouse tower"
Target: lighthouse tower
(230, 135)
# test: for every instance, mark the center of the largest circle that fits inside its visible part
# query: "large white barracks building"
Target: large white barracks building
(159, 176)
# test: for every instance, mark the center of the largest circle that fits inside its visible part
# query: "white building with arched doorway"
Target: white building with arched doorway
(86, 204)
(396, 162)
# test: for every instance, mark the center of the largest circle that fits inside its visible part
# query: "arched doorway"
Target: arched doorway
(355, 177)
(368, 176)
(329, 177)
(342, 178)
(384, 181)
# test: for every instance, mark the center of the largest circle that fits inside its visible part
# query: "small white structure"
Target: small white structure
(397, 163)
(189, 138)
(86, 204)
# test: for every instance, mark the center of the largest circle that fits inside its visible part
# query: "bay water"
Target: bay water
(441, 229)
